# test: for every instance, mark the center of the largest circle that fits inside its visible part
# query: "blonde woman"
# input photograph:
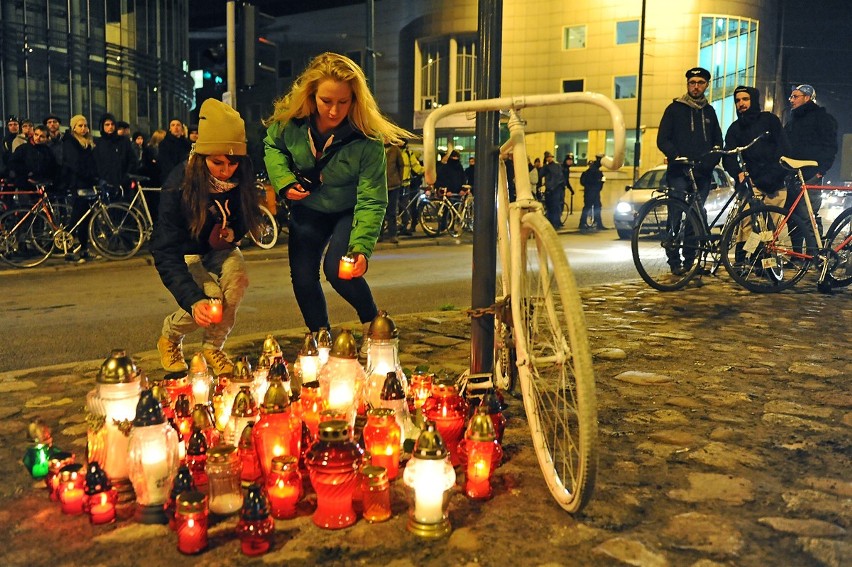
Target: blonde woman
(324, 150)
(78, 171)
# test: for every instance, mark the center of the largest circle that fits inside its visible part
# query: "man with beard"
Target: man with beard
(174, 149)
(689, 128)
(113, 156)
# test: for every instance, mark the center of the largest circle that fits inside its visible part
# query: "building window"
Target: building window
(466, 70)
(627, 32)
(625, 87)
(574, 37)
(729, 50)
(573, 85)
(433, 75)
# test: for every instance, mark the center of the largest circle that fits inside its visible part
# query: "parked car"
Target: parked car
(651, 183)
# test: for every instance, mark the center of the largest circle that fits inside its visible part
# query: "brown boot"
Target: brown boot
(218, 361)
(171, 355)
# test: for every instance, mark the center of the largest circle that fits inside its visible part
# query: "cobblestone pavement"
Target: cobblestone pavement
(725, 422)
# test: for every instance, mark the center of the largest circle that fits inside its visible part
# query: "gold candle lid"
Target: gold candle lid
(191, 502)
(481, 427)
(270, 347)
(282, 463)
(383, 328)
(309, 346)
(334, 430)
(221, 454)
(345, 345)
(198, 365)
(118, 368)
(375, 475)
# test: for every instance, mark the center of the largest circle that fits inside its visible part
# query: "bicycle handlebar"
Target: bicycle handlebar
(517, 103)
(738, 149)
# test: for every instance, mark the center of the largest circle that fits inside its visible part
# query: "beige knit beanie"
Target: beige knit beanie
(221, 130)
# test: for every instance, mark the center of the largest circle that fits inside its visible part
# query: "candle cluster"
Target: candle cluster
(199, 447)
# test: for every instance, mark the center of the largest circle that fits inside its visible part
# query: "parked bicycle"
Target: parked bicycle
(408, 215)
(672, 242)
(551, 347)
(779, 250)
(274, 214)
(446, 214)
(29, 236)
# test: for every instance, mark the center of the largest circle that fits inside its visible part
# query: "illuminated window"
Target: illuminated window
(436, 85)
(574, 37)
(729, 50)
(573, 85)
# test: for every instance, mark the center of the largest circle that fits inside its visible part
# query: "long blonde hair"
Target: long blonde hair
(364, 114)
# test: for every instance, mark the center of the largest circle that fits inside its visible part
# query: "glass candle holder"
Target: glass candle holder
(312, 405)
(428, 478)
(480, 445)
(71, 491)
(101, 497)
(419, 390)
(183, 482)
(346, 268)
(342, 378)
(251, 471)
(191, 520)
(309, 360)
(333, 463)
(278, 430)
(215, 310)
(324, 343)
(200, 380)
(36, 460)
(57, 460)
(196, 458)
(383, 440)
(448, 410)
(284, 486)
(375, 494)
(223, 473)
(243, 412)
(256, 525)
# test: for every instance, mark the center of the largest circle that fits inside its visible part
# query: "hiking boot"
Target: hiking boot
(218, 361)
(171, 355)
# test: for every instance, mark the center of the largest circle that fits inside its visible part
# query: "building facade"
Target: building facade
(67, 57)
(427, 56)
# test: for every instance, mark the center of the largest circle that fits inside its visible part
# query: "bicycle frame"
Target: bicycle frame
(803, 194)
(43, 204)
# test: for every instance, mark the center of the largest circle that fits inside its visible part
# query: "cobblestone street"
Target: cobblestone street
(725, 421)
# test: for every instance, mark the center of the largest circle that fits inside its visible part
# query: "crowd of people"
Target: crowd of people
(345, 169)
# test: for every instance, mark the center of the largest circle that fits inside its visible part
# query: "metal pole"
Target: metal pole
(637, 146)
(485, 180)
(370, 63)
(231, 45)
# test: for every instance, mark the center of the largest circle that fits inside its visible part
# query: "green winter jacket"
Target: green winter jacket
(354, 177)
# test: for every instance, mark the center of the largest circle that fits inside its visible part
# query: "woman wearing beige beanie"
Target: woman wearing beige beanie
(206, 207)
(324, 150)
(79, 171)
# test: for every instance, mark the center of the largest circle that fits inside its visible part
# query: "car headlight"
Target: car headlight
(624, 208)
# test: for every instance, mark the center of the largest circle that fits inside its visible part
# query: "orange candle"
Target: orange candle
(346, 268)
(71, 497)
(215, 310)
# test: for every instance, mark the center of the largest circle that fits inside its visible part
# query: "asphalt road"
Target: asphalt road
(60, 313)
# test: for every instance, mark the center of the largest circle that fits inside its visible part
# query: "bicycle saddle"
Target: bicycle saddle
(685, 161)
(794, 164)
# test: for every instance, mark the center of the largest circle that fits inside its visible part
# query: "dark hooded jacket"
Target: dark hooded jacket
(171, 152)
(813, 135)
(78, 169)
(113, 155)
(689, 132)
(761, 159)
(33, 161)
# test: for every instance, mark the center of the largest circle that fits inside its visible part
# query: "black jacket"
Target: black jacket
(451, 176)
(171, 240)
(691, 133)
(114, 157)
(813, 135)
(171, 151)
(79, 169)
(762, 158)
(33, 161)
(592, 178)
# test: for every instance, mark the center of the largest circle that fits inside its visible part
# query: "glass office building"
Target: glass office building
(67, 57)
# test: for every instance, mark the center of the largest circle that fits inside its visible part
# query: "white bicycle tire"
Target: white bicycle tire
(553, 348)
(268, 237)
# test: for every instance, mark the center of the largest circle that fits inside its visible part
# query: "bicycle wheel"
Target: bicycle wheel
(267, 232)
(467, 217)
(666, 243)
(839, 272)
(26, 239)
(764, 262)
(430, 219)
(554, 363)
(116, 231)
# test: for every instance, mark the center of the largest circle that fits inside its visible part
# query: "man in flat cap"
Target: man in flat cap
(813, 136)
(689, 128)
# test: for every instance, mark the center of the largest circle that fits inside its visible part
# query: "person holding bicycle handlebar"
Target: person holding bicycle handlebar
(764, 171)
(689, 128)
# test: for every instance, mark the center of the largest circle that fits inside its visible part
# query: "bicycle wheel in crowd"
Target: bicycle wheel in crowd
(554, 363)
(840, 260)
(430, 219)
(563, 216)
(116, 231)
(26, 239)
(467, 216)
(267, 232)
(764, 262)
(666, 243)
